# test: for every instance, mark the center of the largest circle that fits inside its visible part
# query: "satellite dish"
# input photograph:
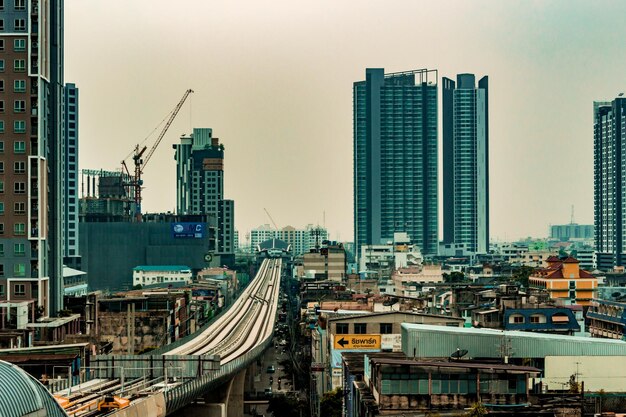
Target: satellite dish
(458, 354)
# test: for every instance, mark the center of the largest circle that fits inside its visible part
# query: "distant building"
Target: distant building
(564, 280)
(384, 258)
(609, 165)
(607, 319)
(200, 185)
(147, 275)
(466, 162)
(329, 262)
(395, 124)
(565, 232)
(300, 240)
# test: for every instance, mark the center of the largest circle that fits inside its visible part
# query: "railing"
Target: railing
(183, 394)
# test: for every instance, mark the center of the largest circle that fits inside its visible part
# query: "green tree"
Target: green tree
(281, 405)
(454, 277)
(521, 275)
(331, 403)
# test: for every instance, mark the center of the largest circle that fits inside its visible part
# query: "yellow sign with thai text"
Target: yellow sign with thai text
(357, 341)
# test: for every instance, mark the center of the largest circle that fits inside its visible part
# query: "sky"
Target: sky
(274, 81)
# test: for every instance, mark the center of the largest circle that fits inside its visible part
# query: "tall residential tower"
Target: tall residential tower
(466, 162)
(395, 157)
(32, 154)
(200, 184)
(609, 167)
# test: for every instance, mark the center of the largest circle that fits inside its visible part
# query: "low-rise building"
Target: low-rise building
(607, 319)
(329, 262)
(147, 275)
(411, 281)
(564, 280)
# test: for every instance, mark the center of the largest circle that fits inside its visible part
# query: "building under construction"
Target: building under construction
(106, 196)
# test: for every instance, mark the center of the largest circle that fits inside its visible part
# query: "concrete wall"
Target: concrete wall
(151, 330)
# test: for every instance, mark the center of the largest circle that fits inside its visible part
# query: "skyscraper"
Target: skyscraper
(466, 162)
(200, 184)
(32, 154)
(70, 167)
(395, 157)
(609, 166)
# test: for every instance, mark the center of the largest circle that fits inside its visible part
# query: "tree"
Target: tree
(331, 403)
(281, 405)
(454, 277)
(521, 275)
(477, 410)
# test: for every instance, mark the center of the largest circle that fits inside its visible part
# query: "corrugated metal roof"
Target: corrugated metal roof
(21, 394)
(161, 268)
(422, 340)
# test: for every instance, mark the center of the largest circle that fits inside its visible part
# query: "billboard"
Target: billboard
(188, 230)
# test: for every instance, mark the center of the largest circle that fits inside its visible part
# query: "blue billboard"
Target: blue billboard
(188, 230)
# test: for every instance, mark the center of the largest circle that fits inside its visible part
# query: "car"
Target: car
(268, 392)
(271, 369)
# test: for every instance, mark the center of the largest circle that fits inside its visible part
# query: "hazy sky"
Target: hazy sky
(274, 81)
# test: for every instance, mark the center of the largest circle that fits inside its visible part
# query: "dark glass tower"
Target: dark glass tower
(466, 162)
(609, 141)
(395, 157)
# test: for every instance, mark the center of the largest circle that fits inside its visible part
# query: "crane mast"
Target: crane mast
(140, 163)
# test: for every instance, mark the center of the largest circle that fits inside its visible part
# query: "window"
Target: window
(1, 44)
(20, 5)
(1, 186)
(19, 146)
(342, 328)
(19, 187)
(1, 85)
(1, 207)
(516, 318)
(360, 328)
(1, 24)
(19, 208)
(20, 289)
(19, 45)
(1, 249)
(1, 146)
(1, 126)
(1, 167)
(1, 270)
(386, 328)
(19, 126)
(1, 62)
(1, 228)
(19, 65)
(19, 167)
(1, 290)
(20, 25)
(537, 318)
(19, 229)
(19, 106)
(1, 106)
(19, 249)
(19, 86)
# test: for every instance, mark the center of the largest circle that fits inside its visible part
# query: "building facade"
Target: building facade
(146, 275)
(200, 184)
(396, 158)
(70, 203)
(32, 154)
(466, 162)
(609, 132)
(564, 280)
(300, 240)
(565, 232)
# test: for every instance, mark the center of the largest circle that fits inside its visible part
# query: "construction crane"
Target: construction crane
(140, 163)
(273, 222)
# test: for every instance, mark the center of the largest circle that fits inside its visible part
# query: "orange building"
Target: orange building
(563, 279)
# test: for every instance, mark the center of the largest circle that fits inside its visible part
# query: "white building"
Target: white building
(161, 274)
(399, 253)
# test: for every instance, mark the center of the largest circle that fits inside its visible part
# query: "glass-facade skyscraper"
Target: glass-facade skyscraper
(609, 167)
(466, 162)
(396, 157)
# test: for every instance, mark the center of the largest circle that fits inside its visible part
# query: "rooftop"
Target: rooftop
(162, 268)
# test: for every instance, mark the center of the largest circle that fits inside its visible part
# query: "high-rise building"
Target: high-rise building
(70, 166)
(396, 158)
(200, 184)
(466, 162)
(32, 154)
(609, 138)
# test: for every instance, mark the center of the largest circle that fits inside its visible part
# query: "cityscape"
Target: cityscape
(192, 223)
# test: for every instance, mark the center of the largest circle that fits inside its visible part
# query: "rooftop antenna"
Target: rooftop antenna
(571, 221)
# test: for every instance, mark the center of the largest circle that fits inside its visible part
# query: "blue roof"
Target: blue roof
(21, 394)
(161, 268)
